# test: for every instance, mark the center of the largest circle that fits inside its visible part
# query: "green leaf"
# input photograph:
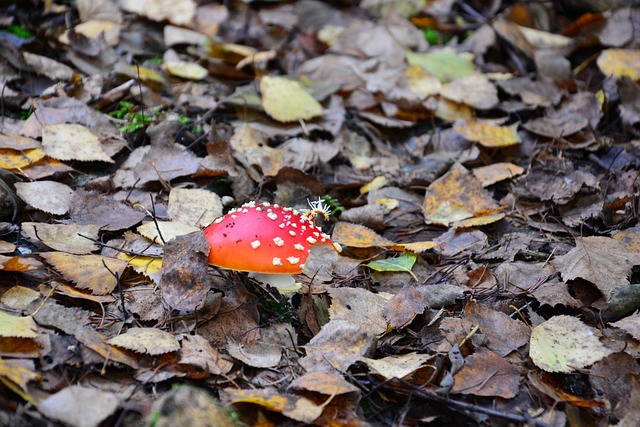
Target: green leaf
(446, 64)
(402, 263)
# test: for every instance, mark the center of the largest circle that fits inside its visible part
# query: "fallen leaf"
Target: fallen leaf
(15, 160)
(338, 345)
(72, 142)
(64, 237)
(295, 407)
(564, 344)
(403, 263)
(496, 172)
(474, 90)
(486, 374)
(457, 196)
(186, 70)
(359, 306)
(88, 271)
(445, 64)
(399, 366)
(488, 134)
(325, 383)
(197, 207)
(17, 326)
(151, 341)
(48, 196)
(79, 406)
(267, 351)
(92, 208)
(358, 236)
(17, 373)
(603, 261)
(185, 279)
(404, 307)
(167, 229)
(620, 63)
(285, 100)
(19, 297)
(503, 333)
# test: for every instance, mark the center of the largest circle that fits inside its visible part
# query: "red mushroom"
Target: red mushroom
(266, 238)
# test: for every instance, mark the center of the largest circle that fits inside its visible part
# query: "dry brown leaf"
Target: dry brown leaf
(19, 297)
(475, 91)
(358, 236)
(338, 345)
(486, 374)
(79, 406)
(48, 196)
(88, 271)
(404, 307)
(359, 306)
(496, 172)
(603, 261)
(92, 208)
(185, 277)
(197, 351)
(503, 333)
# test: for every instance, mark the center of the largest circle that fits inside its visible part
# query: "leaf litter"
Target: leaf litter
(480, 170)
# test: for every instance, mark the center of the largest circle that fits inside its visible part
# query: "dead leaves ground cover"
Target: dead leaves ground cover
(480, 160)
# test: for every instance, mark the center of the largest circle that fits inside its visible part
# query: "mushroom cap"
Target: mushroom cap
(264, 238)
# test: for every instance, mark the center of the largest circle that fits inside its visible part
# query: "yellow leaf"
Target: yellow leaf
(88, 271)
(456, 196)
(620, 63)
(295, 407)
(374, 184)
(186, 70)
(146, 340)
(13, 159)
(285, 100)
(17, 327)
(488, 134)
(148, 266)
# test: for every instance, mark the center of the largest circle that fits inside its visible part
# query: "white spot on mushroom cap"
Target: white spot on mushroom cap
(272, 216)
(292, 233)
(293, 260)
(277, 261)
(255, 244)
(311, 240)
(298, 247)
(278, 241)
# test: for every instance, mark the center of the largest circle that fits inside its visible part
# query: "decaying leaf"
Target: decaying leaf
(79, 406)
(185, 280)
(70, 238)
(486, 374)
(458, 196)
(564, 344)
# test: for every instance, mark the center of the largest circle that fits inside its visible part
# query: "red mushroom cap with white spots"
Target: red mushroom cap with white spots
(264, 238)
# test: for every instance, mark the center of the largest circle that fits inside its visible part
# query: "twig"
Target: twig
(119, 283)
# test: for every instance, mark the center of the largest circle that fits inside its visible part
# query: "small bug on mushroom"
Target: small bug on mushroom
(266, 238)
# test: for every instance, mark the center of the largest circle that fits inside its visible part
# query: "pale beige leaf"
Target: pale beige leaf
(168, 229)
(397, 366)
(19, 297)
(72, 142)
(196, 206)
(63, 237)
(48, 196)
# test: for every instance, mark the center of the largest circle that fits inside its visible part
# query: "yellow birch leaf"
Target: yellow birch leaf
(17, 326)
(14, 159)
(489, 134)
(285, 100)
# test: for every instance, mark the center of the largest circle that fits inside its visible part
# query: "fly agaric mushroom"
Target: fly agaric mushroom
(266, 239)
